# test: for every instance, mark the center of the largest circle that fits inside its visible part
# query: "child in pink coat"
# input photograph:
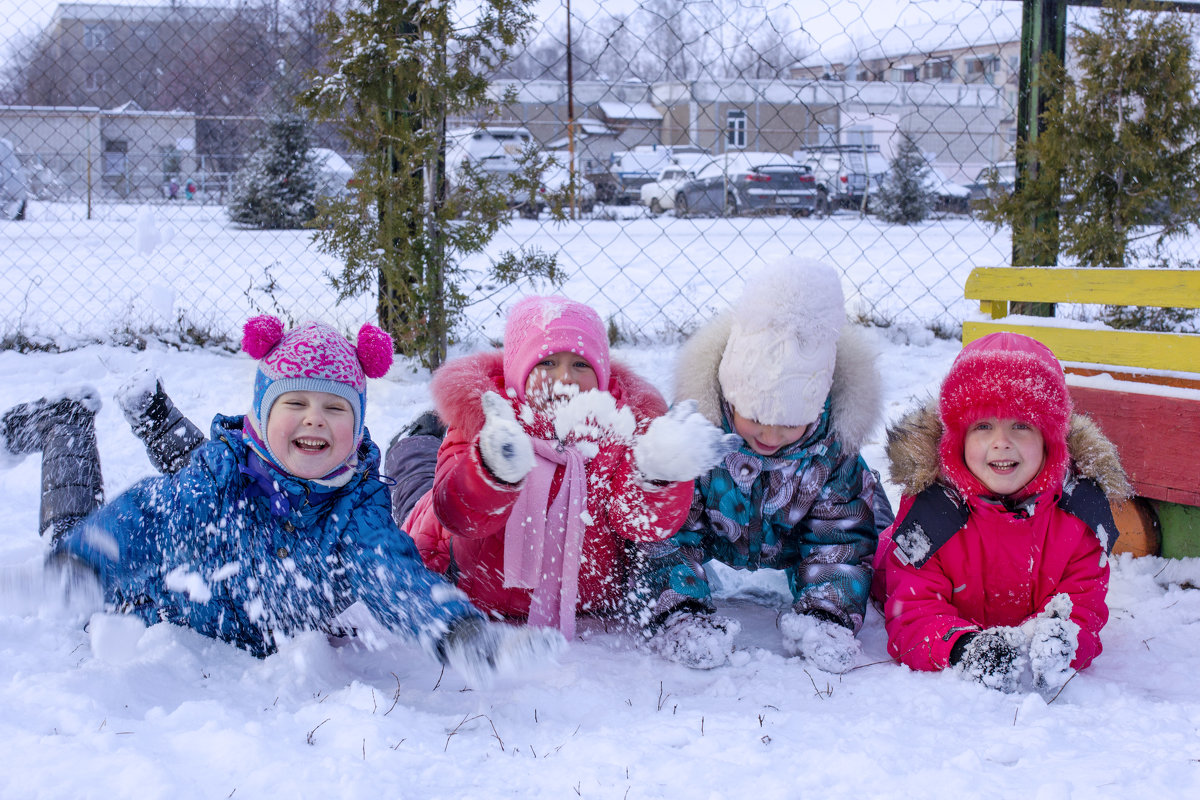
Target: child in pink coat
(997, 563)
(555, 460)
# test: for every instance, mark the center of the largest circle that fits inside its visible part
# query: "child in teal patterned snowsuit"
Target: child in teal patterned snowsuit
(783, 370)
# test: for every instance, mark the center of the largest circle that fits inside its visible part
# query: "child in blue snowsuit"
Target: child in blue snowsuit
(278, 523)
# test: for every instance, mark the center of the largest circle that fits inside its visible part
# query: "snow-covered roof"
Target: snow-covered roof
(615, 109)
(975, 30)
(127, 13)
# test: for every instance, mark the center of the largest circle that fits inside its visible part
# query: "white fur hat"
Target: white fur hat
(777, 367)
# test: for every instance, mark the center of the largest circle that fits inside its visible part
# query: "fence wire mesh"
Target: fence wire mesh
(129, 121)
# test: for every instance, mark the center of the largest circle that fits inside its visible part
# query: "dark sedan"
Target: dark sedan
(749, 183)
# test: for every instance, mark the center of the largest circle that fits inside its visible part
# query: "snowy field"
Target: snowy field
(116, 711)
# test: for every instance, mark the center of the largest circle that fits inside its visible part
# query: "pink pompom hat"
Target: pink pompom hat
(539, 326)
(313, 357)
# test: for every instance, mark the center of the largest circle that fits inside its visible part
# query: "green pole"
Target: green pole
(1043, 31)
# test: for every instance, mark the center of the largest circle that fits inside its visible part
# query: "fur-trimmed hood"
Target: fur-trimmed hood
(912, 450)
(857, 393)
(458, 386)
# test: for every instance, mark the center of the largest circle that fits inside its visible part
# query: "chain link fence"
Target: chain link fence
(129, 120)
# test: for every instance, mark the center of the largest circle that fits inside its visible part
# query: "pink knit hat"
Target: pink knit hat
(539, 326)
(1009, 376)
(313, 357)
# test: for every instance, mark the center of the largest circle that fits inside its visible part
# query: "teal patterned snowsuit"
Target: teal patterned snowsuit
(806, 510)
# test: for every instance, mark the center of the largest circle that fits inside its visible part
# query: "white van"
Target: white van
(493, 149)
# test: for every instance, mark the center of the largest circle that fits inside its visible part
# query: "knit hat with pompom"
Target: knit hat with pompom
(539, 326)
(1007, 376)
(315, 358)
(777, 367)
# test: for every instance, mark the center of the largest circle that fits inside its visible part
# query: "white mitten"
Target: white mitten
(1052, 644)
(681, 445)
(827, 645)
(480, 650)
(503, 444)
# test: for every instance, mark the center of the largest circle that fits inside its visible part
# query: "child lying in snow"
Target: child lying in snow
(279, 522)
(997, 563)
(800, 388)
(554, 461)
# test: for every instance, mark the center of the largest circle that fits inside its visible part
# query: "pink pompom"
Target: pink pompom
(375, 350)
(260, 335)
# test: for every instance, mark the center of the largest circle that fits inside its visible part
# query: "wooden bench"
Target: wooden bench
(1141, 388)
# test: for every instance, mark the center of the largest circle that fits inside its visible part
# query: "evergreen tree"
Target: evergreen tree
(904, 196)
(1121, 145)
(277, 186)
(398, 70)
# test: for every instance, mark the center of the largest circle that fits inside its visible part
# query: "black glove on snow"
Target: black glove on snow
(995, 657)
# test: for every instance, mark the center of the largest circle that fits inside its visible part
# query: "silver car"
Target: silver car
(749, 183)
(13, 189)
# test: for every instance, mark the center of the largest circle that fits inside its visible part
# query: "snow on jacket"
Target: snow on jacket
(459, 525)
(204, 549)
(976, 563)
(808, 508)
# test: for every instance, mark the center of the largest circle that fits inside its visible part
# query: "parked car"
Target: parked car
(748, 182)
(13, 190)
(633, 169)
(334, 174)
(949, 197)
(845, 174)
(493, 149)
(659, 194)
(980, 189)
(555, 182)
(43, 182)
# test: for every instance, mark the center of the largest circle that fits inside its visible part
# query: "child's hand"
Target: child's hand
(480, 650)
(1053, 640)
(503, 443)
(996, 658)
(682, 444)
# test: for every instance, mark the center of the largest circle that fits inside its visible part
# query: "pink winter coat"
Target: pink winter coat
(1001, 567)
(461, 521)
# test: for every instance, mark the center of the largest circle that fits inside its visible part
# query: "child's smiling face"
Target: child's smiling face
(767, 439)
(554, 373)
(311, 433)
(1004, 454)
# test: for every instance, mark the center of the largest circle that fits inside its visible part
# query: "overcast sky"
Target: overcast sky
(827, 21)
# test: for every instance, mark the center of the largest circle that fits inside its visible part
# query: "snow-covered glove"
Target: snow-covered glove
(695, 639)
(1053, 639)
(503, 444)
(682, 445)
(480, 650)
(827, 645)
(995, 657)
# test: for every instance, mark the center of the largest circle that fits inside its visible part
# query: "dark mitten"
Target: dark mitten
(480, 650)
(995, 657)
(168, 435)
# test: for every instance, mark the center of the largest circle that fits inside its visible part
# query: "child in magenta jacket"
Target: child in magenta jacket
(997, 563)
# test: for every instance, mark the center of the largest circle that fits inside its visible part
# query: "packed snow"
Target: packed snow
(97, 705)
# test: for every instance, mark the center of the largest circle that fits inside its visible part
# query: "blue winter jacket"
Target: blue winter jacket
(205, 549)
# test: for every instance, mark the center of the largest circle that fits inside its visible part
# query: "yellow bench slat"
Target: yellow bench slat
(1163, 288)
(1166, 351)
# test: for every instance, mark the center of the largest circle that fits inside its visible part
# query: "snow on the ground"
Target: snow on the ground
(120, 711)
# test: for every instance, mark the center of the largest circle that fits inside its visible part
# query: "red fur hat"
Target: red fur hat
(1009, 376)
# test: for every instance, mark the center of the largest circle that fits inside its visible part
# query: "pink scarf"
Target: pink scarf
(543, 548)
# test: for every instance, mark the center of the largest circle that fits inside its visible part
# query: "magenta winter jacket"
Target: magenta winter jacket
(991, 566)
(1000, 569)
(459, 525)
